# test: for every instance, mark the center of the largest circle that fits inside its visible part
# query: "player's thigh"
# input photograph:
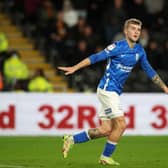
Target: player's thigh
(110, 104)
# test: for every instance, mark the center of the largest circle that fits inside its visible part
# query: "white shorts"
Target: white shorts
(110, 104)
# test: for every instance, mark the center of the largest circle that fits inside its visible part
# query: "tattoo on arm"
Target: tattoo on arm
(94, 133)
(158, 81)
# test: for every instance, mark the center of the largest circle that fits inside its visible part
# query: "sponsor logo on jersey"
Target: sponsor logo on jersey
(124, 68)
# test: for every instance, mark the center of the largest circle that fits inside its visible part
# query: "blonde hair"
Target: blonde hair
(132, 21)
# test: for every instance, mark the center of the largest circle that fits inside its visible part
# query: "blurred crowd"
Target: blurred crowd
(15, 75)
(67, 31)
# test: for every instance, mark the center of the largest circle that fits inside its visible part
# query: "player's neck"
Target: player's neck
(130, 43)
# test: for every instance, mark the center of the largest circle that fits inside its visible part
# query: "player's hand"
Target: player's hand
(166, 90)
(67, 70)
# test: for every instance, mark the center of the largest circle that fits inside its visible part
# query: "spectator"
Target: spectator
(144, 40)
(15, 70)
(39, 83)
(3, 49)
(78, 29)
(81, 7)
(154, 53)
(113, 18)
(30, 17)
(58, 4)
(118, 36)
(70, 15)
(94, 13)
(137, 9)
(45, 14)
(56, 35)
(30, 8)
(154, 6)
(3, 42)
(81, 51)
(92, 39)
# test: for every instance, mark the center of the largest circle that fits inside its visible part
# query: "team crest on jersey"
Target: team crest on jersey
(137, 56)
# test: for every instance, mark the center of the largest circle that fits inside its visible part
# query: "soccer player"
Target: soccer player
(121, 58)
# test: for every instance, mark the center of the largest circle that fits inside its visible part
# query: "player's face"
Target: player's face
(133, 32)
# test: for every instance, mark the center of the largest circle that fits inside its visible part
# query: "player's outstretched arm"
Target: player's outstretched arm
(72, 69)
(158, 81)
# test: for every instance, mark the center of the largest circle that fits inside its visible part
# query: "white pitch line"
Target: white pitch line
(11, 166)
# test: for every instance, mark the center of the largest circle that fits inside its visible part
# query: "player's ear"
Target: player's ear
(125, 31)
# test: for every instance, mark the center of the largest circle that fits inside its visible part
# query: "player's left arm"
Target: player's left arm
(152, 74)
(158, 81)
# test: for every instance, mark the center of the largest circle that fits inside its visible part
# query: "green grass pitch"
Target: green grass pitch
(45, 152)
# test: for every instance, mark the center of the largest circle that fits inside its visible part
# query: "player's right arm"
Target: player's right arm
(72, 69)
(110, 51)
(85, 62)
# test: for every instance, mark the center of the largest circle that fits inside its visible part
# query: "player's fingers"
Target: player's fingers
(62, 68)
(68, 73)
(67, 70)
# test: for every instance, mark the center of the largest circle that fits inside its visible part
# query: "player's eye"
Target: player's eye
(139, 30)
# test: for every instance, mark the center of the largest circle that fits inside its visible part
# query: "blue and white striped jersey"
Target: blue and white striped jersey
(120, 61)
